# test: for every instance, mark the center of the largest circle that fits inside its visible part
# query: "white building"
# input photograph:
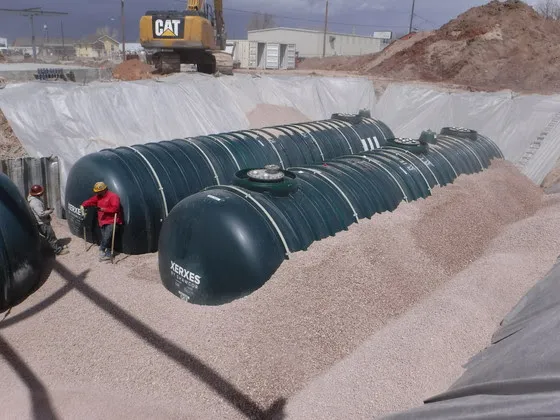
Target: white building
(309, 43)
(3, 42)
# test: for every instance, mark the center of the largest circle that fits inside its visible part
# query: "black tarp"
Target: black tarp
(518, 375)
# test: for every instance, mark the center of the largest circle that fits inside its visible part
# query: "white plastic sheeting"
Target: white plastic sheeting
(71, 120)
(513, 121)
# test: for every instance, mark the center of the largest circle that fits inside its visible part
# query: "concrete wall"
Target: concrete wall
(310, 43)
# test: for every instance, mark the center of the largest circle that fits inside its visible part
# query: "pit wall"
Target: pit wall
(71, 120)
(519, 124)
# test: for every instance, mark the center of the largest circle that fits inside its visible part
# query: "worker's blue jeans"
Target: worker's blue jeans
(106, 237)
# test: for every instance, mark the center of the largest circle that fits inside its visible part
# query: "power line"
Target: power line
(317, 21)
(425, 20)
(31, 13)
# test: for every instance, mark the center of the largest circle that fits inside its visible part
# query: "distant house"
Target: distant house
(97, 47)
(44, 47)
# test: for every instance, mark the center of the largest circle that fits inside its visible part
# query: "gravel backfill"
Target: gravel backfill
(116, 330)
(266, 115)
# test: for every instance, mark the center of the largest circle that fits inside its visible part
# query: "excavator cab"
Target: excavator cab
(191, 36)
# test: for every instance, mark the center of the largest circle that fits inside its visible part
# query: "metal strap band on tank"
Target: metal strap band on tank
(415, 167)
(333, 124)
(352, 128)
(330, 181)
(316, 144)
(421, 160)
(379, 165)
(266, 213)
(273, 147)
(492, 145)
(281, 129)
(217, 139)
(160, 187)
(374, 122)
(443, 156)
(207, 159)
(454, 140)
(314, 140)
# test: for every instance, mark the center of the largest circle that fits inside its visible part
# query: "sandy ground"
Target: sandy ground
(133, 70)
(266, 115)
(421, 353)
(103, 341)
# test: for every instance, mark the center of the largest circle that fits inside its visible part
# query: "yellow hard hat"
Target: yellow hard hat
(99, 186)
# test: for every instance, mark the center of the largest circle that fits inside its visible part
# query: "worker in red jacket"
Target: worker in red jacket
(108, 204)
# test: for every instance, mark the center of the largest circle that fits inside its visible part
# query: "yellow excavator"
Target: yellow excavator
(193, 36)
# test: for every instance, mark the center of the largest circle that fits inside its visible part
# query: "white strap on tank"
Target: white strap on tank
(415, 167)
(207, 159)
(316, 144)
(379, 165)
(330, 181)
(374, 122)
(333, 124)
(420, 159)
(160, 187)
(467, 146)
(266, 213)
(443, 156)
(273, 146)
(221, 143)
(352, 128)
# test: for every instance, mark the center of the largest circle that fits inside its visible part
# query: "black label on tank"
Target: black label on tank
(186, 281)
(75, 218)
(168, 27)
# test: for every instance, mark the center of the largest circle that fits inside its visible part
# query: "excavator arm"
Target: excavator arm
(220, 26)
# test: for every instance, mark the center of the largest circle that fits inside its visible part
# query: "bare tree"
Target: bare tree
(106, 30)
(261, 21)
(549, 9)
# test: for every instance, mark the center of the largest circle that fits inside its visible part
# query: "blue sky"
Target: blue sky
(361, 16)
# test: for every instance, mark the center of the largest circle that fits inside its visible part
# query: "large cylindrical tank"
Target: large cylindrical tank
(22, 256)
(226, 241)
(152, 178)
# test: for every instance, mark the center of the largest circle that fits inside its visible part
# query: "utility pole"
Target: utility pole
(411, 17)
(122, 32)
(31, 13)
(325, 32)
(62, 34)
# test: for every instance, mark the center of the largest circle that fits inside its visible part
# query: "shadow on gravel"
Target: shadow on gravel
(42, 408)
(242, 402)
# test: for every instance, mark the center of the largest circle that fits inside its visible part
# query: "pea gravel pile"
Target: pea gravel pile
(102, 341)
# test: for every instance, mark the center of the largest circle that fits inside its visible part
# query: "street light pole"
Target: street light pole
(411, 17)
(325, 32)
(122, 32)
(33, 38)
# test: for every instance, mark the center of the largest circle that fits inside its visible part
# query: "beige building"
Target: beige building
(309, 43)
(97, 47)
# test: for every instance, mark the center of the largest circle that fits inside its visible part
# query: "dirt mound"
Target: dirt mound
(132, 70)
(501, 45)
(363, 63)
(10, 147)
(267, 115)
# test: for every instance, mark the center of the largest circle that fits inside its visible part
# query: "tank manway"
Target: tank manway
(152, 178)
(226, 241)
(24, 261)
